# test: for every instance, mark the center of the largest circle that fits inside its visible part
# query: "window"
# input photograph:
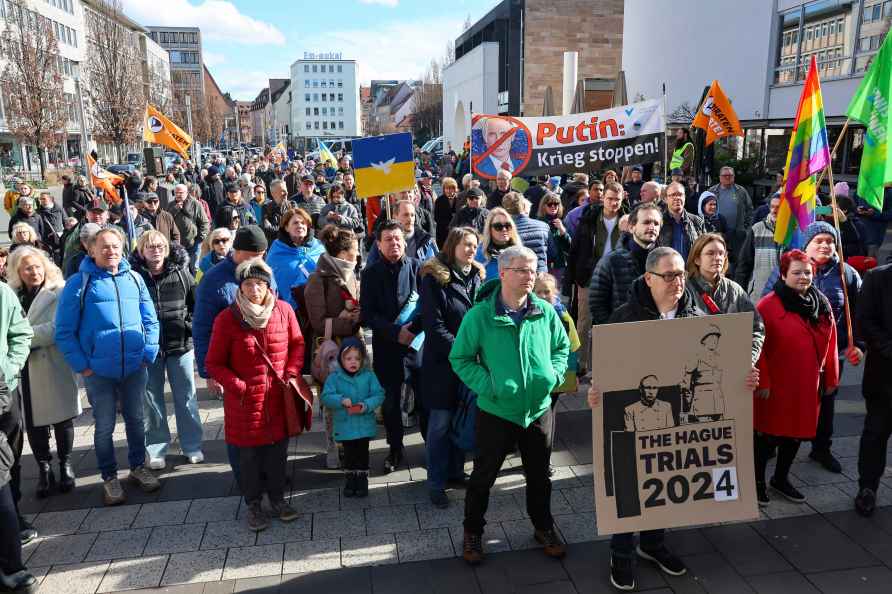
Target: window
(314, 68)
(325, 125)
(307, 97)
(331, 67)
(323, 83)
(340, 84)
(315, 111)
(331, 97)
(306, 67)
(315, 96)
(309, 125)
(316, 125)
(340, 96)
(315, 83)
(887, 9)
(341, 68)
(341, 125)
(323, 96)
(325, 111)
(306, 82)
(308, 111)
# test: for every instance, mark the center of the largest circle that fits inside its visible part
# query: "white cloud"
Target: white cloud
(218, 20)
(397, 50)
(390, 3)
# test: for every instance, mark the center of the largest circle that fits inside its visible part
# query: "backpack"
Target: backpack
(326, 355)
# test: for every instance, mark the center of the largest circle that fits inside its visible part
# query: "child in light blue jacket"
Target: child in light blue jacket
(352, 393)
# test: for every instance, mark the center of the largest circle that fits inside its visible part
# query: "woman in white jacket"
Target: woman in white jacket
(48, 386)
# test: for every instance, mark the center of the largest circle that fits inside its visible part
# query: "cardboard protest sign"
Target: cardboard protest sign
(673, 435)
(612, 137)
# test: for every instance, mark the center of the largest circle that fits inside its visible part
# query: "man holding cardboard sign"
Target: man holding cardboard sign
(664, 465)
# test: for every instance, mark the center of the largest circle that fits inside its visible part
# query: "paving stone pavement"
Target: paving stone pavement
(191, 536)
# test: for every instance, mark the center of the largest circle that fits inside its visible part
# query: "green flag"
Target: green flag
(870, 106)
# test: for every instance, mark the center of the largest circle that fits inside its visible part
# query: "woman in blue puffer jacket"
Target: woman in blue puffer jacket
(294, 253)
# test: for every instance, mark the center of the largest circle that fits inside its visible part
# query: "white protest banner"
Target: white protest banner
(526, 146)
(673, 436)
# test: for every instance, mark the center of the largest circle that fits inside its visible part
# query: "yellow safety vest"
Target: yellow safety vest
(678, 156)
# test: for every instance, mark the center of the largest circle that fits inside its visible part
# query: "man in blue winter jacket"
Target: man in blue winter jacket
(107, 330)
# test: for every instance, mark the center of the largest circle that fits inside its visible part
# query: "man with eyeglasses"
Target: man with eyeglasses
(161, 220)
(513, 386)
(597, 235)
(735, 205)
(680, 228)
(191, 220)
(615, 273)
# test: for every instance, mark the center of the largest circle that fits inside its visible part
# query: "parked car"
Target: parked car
(123, 169)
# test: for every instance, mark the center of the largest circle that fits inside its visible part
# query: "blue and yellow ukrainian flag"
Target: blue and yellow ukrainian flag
(383, 164)
(325, 155)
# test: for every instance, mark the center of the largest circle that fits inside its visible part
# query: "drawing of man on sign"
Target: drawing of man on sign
(499, 144)
(701, 384)
(648, 414)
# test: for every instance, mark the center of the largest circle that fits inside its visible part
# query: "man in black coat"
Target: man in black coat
(536, 191)
(503, 186)
(213, 193)
(390, 309)
(873, 324)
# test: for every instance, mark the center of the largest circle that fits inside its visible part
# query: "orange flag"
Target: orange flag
(716, 115)
(105, 180)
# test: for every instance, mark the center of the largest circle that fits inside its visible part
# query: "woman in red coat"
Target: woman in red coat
(254, 333)
(797, 365)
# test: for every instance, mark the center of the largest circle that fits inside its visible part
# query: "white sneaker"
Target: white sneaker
(196, 458)
(157, 463)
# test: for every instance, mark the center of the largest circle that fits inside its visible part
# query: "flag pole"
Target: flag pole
(839, 249)
(836, 144)
(665, 139)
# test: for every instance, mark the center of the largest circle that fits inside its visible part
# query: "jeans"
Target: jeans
(10, 542)
(496, 437)
(103, 394)
(874, 438)
(622, 544)
(263, 469)
(180, 374)
(824, 432)
(194, 252)
(444, 460)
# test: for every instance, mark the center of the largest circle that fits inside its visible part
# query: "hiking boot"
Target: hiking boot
(866, 502)
(439, 499)
(27, 532)
(762, 494)
(46, 482)
(257, 520)
(146, 481)
(472, 548)
(350, 484)
(20, 581)
(826, 459)
(284, 511)
(622, 573)
(66, 477)
(113, 492)
(551, 543)
(393, 461)
(787, 490)
(666, 561)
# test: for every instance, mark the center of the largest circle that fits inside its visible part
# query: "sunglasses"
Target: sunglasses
(501, 226)
(222, 240)
(152, 201)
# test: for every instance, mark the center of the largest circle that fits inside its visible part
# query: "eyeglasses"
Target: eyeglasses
(669, 277)
(222, 240)
(501, 226)
(675, 195)
(154, 247)
(550, 204)
(526, 271)
(152, 201)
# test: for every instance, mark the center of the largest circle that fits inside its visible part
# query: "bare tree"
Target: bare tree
(449, 55)
(216, 118)
(32, 85)
(683, 114)
(116, 96)
(427, 116)
(467, 23)
(159, 92)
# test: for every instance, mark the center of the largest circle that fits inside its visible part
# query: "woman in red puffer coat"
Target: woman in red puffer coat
(253, 404)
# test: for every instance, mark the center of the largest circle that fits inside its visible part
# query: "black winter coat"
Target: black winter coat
(613, 277)
(443, 215)
(445, 299)
(173, 293)
(385, 288)
(34, 220)
(53, 222)
(470, 217)
(214, 193)
(873, 326)
(494, 198)
(582, 258)
(640, 305)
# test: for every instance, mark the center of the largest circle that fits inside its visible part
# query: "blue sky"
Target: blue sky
(246, 42)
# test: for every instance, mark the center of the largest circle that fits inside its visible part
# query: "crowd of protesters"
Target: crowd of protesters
(257, 272)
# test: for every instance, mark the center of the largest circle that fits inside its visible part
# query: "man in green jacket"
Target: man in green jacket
(511, 350)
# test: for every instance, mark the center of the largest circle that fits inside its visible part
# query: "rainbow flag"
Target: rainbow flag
(809, 153)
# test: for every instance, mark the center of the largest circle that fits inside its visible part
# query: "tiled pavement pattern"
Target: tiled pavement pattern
(189, 537)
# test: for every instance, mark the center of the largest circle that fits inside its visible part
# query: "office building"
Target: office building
(324, 97)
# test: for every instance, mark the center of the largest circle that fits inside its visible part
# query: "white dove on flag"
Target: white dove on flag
(384, 166)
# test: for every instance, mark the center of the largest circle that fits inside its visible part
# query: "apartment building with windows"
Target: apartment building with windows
(324, 97)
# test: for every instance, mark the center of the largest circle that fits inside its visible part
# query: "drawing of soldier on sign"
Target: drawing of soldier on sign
(701, 384)
(648, 414)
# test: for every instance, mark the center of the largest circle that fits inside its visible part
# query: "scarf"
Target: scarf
(255, 316)
(809, 306)
(345, 269)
